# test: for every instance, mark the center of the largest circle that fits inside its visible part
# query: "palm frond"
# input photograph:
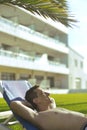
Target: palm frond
(57, 10)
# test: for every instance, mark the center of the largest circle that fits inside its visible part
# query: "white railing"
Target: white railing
(56, 63)
(27, 58)
(15, 55)
(31, 35)
(29, 30)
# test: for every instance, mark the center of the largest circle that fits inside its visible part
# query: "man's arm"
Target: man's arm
(26, 113)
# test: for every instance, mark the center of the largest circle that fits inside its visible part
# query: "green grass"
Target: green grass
(3, 105)
(16, 127)
(76, 102)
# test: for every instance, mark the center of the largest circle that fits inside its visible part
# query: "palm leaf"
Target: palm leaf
(57, 10)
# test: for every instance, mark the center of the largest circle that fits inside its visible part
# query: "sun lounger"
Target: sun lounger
(15, 90)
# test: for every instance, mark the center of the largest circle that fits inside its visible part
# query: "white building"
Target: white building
(34, 49)
(77, 76)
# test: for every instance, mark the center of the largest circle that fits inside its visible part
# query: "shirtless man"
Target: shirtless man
(47, 116)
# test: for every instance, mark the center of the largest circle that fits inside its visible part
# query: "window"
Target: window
(76, 63)
(7, 76)
(51, 58)
(38, 79)
(51, 80)
(25, 76)
(5, 46)
(81, 64)
(86, 84)
(78, 83)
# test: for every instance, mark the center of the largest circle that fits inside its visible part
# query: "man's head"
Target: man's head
(37, 97)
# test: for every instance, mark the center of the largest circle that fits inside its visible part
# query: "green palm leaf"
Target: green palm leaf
(57, 10)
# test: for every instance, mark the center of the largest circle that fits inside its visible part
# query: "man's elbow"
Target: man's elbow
(14, 106)
(34, 118)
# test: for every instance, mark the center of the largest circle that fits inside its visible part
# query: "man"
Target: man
(46, 102)
(48, 117)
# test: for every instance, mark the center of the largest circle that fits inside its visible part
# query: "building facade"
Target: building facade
(77, 76)
(35, 49)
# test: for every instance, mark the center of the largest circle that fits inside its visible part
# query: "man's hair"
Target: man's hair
(31, 94)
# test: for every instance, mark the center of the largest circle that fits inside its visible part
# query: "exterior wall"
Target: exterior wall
(36, 49)
(77, 77)
(61, 81)
(44, 79)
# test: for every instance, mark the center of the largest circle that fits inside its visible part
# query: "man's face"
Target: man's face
(43, 97)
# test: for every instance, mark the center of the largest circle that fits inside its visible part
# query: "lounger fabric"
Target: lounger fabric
(15, 90)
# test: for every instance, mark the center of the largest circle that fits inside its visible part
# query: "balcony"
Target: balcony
(30, 35)
(11, 59)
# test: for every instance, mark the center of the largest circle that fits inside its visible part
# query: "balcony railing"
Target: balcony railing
(15, 55)
(9, 58)
(31, 35)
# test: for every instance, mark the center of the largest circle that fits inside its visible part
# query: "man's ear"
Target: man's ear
(35, 100)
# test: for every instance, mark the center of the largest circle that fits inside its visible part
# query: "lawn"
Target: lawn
(76, 102)
(3, 105)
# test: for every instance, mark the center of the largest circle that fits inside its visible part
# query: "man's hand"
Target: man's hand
(53, 103)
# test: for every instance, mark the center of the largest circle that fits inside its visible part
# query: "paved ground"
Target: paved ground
(5, 114)
(1, 95)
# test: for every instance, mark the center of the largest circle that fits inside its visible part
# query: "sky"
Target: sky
(78, 34)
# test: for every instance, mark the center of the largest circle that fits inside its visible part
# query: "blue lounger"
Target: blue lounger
(15, 90)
